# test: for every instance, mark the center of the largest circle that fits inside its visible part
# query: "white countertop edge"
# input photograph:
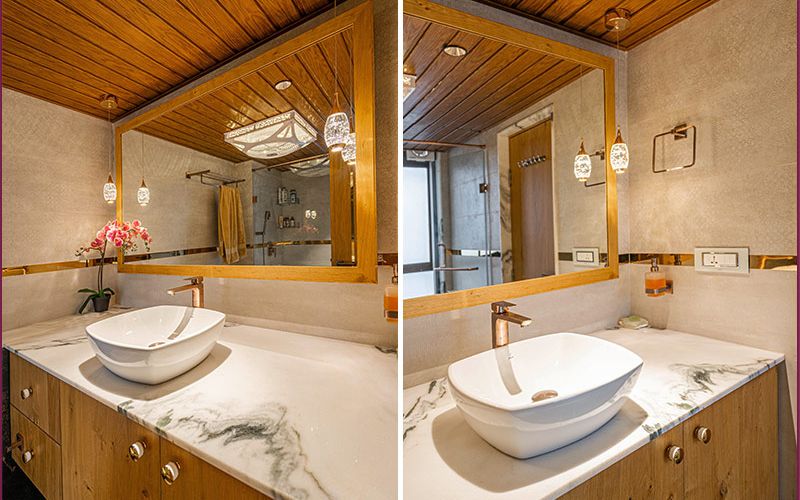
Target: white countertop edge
(592, 472)
(193, 449)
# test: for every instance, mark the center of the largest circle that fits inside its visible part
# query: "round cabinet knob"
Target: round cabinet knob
(703, 434)
(675, 454)
(170, 472)
(27, 456)
(26, 392)
(136, 450)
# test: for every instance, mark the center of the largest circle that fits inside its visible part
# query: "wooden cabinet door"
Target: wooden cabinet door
(95, 442)
(198, 480)
(35, 394)
(739, 461)
(646, 473)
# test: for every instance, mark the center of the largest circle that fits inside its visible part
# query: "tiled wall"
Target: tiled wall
(55, 162)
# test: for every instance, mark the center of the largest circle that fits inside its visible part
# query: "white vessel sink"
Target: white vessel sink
(155, 344)
(494, 390)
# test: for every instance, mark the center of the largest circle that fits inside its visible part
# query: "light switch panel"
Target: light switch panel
(586, 256)
(734, 260)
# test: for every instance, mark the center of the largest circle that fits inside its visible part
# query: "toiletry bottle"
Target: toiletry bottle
(655, 280)
(390, 298)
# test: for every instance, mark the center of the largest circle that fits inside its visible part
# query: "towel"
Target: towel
(230, 225)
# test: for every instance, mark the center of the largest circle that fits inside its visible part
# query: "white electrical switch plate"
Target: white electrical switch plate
(722, 260)
(588, 257)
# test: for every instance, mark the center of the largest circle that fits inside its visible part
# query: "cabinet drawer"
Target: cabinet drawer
(35, 394)
(198, 480)
(37, 455)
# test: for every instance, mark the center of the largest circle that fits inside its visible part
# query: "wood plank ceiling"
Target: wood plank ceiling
(71, 52)
(200, 124)
(457, 97)
(587, 17)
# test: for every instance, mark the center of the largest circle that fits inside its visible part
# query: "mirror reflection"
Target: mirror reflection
(259, 172)
(504, 167)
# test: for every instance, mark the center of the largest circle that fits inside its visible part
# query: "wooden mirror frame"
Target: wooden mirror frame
(359, 18)
(463, 21)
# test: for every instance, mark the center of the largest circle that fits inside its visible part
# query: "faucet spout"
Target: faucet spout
(196, 286)
(501, 317)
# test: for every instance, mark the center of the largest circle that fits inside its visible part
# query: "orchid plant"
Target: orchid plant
(122, 235)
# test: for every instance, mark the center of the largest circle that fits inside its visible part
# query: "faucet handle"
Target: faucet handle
(195, 280)
(501, 307)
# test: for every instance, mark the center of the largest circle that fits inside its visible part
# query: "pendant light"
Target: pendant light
(583, 163)
(143, 193)
(109, 102)
(337, 125)
(349, 151)
(617, 20)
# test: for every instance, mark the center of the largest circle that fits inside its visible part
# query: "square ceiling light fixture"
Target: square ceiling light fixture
(273, 137)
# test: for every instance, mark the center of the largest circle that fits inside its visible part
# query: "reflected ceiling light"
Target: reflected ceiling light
(455, 50)
(409, 84)
(349, 151)
(583, 165)
(315, 167)
(283, 85)
(337, 127)
(273, 137)
(143, 193)
(619, 154)
(109, 102)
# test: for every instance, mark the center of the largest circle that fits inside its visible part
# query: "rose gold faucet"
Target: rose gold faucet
(196, 286)
(500, 319)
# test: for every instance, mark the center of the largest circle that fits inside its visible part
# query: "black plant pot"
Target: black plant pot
(101, 303)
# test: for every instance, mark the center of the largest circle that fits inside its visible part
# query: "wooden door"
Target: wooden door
(342, 227)
(740, 459)
(198, 480)
(532, 229)
(644, 474)
(94, 443)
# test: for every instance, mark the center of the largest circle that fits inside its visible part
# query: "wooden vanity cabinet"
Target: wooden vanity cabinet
(96, 459)
(197, 479)
(728, 450)
(100, 453)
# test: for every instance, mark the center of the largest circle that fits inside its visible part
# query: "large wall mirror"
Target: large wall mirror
(496, 205)
(240, 177)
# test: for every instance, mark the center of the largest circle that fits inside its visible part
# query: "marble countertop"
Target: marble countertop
(293, 416)
(444, 458)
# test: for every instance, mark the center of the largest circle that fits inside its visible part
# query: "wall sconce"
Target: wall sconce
(678, 132)
(602, 154)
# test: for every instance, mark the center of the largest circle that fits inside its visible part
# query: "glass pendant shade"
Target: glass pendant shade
(349, 151)
(143, 194)
(337, 127)
(110, 191)
(273, 137)
(619, 154)
(583, 165)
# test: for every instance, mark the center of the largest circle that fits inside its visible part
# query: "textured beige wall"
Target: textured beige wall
(182, 212)
(55, 162)
(738, 85)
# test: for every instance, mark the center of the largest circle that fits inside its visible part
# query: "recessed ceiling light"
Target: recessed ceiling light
(283, 85)
(455, 50)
